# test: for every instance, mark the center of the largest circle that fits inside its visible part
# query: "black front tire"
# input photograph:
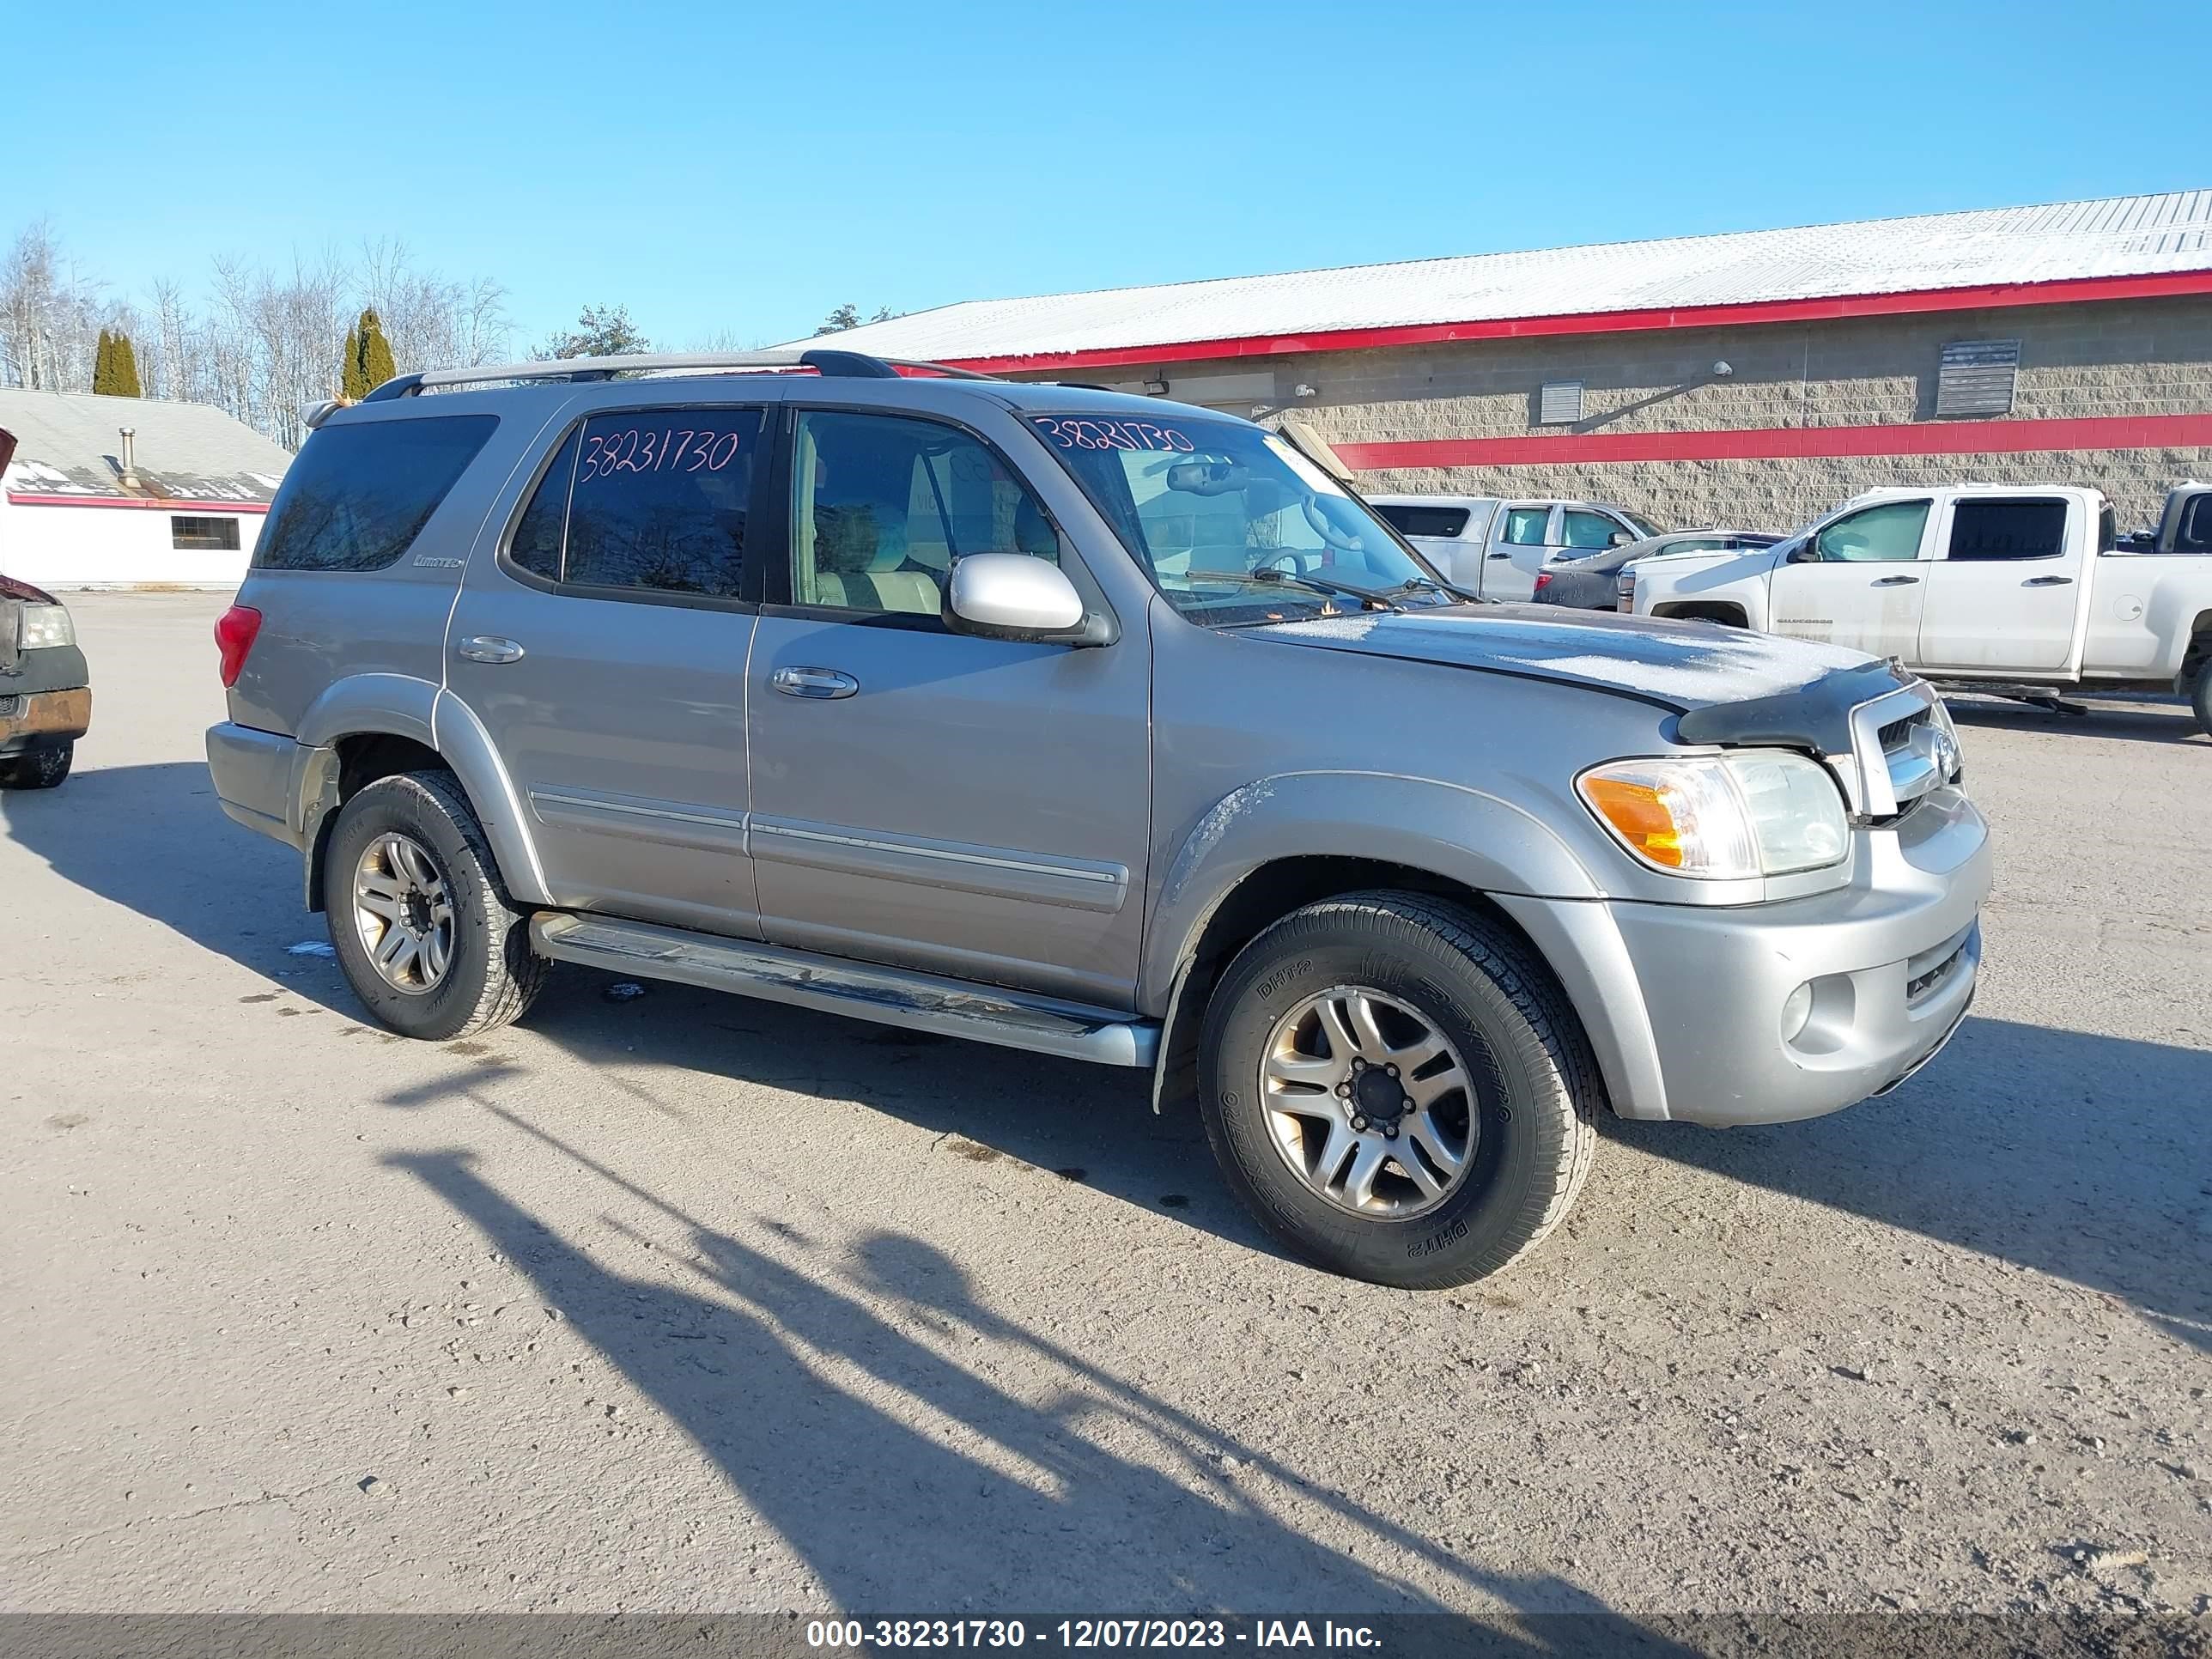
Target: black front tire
(493, 975)
(38, 768)
(1477, 984)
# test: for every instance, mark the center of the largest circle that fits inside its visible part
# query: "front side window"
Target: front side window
(1984, 532)
(653, 501)
(1525, 525)
(1887, 534)
(2194, 533)
(883, 506)
(356, 495)
(1226, 517)
(1590, 530)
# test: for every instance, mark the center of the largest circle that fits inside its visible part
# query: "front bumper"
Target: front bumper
(1685, 1004)
(43, 720)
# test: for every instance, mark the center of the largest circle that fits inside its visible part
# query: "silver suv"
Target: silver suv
(1091, 725)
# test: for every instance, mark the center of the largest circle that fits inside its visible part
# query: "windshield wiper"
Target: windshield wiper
(1267, 576)
(1441, 587)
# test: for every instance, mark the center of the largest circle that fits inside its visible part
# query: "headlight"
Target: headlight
(1939, 718)
(46, 625)
(1762, 812)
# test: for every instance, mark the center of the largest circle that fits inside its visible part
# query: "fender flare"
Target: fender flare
(401, 706)
(1479, 841)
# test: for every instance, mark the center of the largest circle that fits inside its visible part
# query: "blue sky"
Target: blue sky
(741, 169)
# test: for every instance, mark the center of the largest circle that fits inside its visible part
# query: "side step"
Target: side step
(888, 996)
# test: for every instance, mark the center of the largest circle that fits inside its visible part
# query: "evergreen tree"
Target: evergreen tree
(103, 364)
(123, 369)
(350, 385)
(376, 364)
(600, 331)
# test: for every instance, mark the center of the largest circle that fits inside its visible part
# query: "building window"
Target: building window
(1559, 403)
(1976, 377)
(204, 535)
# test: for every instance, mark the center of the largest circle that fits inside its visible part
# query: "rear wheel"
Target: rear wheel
(421, 925)
(2202, 698)
(38, 768)
(1397, 1090)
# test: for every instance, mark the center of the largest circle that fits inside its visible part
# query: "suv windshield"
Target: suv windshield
(1229, 518)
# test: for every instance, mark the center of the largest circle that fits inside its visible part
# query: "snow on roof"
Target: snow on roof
(2118, 236)
(69, 443)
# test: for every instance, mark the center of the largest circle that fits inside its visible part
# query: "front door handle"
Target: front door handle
(2048, 581)
(1501, 556)
(813, 682)
(486, 648)
(1894, 581)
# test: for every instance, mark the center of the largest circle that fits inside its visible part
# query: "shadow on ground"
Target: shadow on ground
(2147, 717)
(786, 1368)
(2082, 1156)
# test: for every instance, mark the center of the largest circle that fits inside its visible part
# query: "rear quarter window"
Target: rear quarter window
(1441, 522)
(357, 495)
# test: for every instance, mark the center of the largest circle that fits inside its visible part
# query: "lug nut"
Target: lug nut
(1391, 1070)
(1359, 1123)
(1344, 1089)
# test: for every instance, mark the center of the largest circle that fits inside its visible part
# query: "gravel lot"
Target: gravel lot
(687, 1303)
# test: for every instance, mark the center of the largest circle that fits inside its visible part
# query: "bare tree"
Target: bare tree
(47, 315)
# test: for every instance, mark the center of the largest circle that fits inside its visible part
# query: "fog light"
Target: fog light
(1796, 1009)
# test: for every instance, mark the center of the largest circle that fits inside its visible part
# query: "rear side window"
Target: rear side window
(357, 495)
(1525, 526)
(653, 501)
(2194, 533)
(1442, 522)
(1986, 530)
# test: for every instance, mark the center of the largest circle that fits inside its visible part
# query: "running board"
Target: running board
(888, 996)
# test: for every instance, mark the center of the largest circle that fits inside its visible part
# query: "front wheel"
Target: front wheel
(39, 769)
(418, 916)
(1397, 1090)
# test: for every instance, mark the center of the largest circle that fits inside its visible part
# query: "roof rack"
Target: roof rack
(853, 365)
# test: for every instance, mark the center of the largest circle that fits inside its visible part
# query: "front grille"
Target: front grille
(1895, 735)
(1949, 959)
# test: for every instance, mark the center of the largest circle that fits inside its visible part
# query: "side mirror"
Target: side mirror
(1803, 553)
(1618, 539)
(1011, 596)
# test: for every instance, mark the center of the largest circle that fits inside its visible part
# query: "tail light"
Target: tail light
(235, 632)
(1543, 581)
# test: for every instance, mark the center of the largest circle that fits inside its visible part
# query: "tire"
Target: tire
(1534, 1088)
(38, 768)
(2201, 698)
(489, 974)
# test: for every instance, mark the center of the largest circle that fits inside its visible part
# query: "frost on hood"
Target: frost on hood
(1693, 662)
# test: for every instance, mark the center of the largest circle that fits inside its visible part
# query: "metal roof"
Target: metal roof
(68, 444)
(1996, 248)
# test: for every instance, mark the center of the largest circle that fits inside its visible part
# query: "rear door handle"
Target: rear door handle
(486, 648)
(1501, 556)
(1894, 581)
(2048, 581)
(813, 682)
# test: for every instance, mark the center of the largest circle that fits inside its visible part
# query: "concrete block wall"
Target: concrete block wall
(2101, 359)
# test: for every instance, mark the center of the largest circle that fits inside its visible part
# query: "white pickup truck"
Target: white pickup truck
(2018, 591)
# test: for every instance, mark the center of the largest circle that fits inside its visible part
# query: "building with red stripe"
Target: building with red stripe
(1753, 378)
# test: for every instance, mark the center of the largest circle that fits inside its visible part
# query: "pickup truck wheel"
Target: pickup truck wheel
(1397, 1090)
(2201, 697)
(41, 768)
(418, 916)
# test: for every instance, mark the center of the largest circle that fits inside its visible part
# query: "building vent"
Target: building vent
(1559, 403)
(1977, 377)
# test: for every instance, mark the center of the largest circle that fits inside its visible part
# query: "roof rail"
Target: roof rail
(854, 365)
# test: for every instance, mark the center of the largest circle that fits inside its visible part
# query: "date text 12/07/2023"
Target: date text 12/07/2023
(1087, 1634)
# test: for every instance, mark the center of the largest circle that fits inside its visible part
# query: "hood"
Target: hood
(1680, 664)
